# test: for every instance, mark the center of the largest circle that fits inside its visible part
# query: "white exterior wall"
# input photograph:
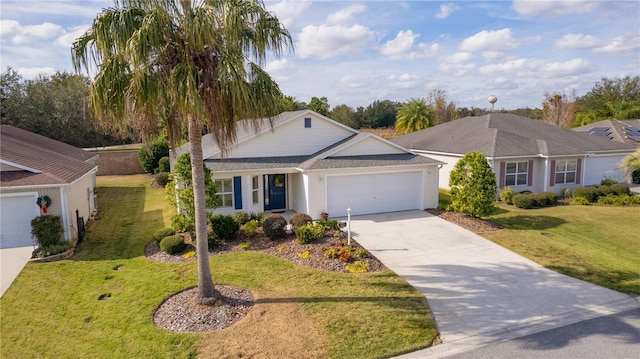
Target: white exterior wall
(291, 138)
(597, 168)
(443, 174)
(78, 195)
(369, 146)
(296, 192)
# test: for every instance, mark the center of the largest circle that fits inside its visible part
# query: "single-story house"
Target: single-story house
(525, 154)
(625, 131)
(38, 175)
(309, 163)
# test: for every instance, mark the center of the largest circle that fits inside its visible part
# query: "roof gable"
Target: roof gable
(505, 135)
(31, 159)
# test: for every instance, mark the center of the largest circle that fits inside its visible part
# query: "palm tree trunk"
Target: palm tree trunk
(207, 293)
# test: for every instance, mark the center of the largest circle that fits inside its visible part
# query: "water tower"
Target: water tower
(492, 100)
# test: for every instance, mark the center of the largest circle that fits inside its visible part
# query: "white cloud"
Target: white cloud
(350, 81)
(326, 41)
(446, 10)
(490, 41)
(554, 8)
(346, 14)
(537, 68)
(404, 81)
(67, 39)
(20, 34)
(460, 57)
(455, 69)
(571, 67)
(288, 11)
(30, 73)
(278, 65)
(402, 47)
(622, 44)
(511, 66)
(575, 41)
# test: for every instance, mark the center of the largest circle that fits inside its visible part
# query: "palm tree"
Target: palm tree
(415, 115)
(192, 62)
(631, 163)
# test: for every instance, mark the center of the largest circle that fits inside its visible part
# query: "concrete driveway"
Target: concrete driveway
(12, 260)
(479, 293)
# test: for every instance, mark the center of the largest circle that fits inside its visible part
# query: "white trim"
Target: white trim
(13, 164)
(65, 213)
(362, 138)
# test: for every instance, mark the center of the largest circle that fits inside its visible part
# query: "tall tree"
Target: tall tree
(610, 98)
(319, 105)
(414, 115)
(473, 185)
(345, 115)
(558, 109)
(444, 110)
(380, 114)
(197, 62)
(631, 164)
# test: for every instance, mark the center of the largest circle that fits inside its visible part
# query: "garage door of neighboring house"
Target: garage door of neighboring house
(374, 193)
(16, 213)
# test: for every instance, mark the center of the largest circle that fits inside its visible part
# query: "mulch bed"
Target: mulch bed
(465, 221)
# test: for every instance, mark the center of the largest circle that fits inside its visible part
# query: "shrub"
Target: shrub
(330, 253)
(251, 227)
(524, 201)
(274, 226)
(603, 190)
(259, 217)
(587, 193)
(330, 224)
(506, 195)
(300, 219)
(619, 200)
(172, 244)
(357, 267)
(245, 245)
(344, 254)
(164, 232)
(181, 223)
(620, 188)
(52, 249)
(545, 199)
(164, 165)
(149, 159)
(241, 217)
(47, 229)
(580, 201)
(162, 178)
(309, 232)
(444, 205)
(225, 227)
(566, 193)
(362, 253)
(473, 185)
(608, 182)
(189, 255)
(304, 255)
(212, 240)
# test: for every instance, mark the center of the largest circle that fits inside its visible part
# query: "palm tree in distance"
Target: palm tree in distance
(414, 115)
(631, 164)
(184, 62)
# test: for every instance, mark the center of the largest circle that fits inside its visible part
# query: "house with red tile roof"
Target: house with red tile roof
(40, 175)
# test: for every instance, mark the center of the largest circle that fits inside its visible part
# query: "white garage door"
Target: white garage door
(374, 193)
(16, 213)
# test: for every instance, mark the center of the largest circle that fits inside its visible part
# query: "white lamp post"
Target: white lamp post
(349, 226)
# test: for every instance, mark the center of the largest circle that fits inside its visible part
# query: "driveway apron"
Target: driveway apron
(478, 291)
(12, 260)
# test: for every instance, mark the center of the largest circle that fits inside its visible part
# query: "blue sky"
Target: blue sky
(356, 52)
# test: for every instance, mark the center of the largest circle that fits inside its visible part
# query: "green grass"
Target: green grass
(598, 244)
(52, 309)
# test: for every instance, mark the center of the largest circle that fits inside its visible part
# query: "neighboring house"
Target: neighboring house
(525, 154)
(34, 166)
(625, 131)
(310, 164)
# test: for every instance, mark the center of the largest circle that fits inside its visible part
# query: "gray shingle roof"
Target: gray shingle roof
(617, 130)
(506, 135)
(54, 162)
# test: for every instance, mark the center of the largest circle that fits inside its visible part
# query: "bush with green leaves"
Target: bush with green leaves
(162, 178)
(47, 229)
(300, 219)
(250, 228)
(308, 233)
(274, 226)
(224, 226)
(608, 182)
(52, 249)
(172, 244)
(181, 223)
(602, 190)
(473, 185)
(164, 164)
(161, 233)
(332, 224)
(587, 193)
(259, 217)
(581, 201)
(523, 200)
(620, 188)
(566, 193)
(241, 217)
(506, 195)
(212, 240)
(619, 200)
(149, 158)
(444, 205)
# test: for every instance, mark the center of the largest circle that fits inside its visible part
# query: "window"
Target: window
(566, 171)
(516, 174)
(254, 189)
(307, 122)
(225, 192)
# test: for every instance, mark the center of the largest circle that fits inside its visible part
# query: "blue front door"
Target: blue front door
(275, 192)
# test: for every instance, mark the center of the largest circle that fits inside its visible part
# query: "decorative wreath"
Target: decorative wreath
(44, 201)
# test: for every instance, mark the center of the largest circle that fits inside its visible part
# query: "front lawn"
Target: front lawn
(53, 309)
(598, 244)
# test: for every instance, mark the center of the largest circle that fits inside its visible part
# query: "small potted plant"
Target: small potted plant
(324, 215)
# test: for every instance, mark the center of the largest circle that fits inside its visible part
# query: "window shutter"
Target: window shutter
(503, 168)
(530, 174)
(552, 178)
(578, 170)
(237, 192)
